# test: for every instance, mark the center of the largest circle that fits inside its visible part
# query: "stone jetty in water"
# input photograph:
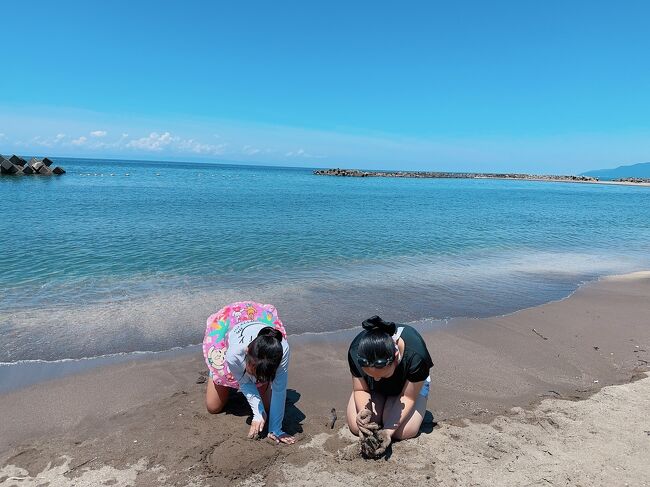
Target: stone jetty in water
(355, 173)
(632, 180)
(17, 166)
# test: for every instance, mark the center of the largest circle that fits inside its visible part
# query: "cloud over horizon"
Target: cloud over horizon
(75, 135)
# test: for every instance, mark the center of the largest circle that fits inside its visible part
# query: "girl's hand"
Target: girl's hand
(283, 438)
(365, 426)
(363, 417)
(256, 429)
(386, 438)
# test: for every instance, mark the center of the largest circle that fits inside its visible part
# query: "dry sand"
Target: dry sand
(503, 404)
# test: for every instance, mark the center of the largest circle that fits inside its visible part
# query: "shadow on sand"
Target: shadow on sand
(293, 416)
(428, 423)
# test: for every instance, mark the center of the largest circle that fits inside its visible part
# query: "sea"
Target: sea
(125, 257)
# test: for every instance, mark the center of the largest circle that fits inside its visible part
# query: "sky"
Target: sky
(553, 86)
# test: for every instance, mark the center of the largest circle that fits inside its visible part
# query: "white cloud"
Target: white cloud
(40, 141)
(47, 142)
(116, 140)
(155, 142)
(302, 153)
(199, 148)
(44, 141)
(2, 136)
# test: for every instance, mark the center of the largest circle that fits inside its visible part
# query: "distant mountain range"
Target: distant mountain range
(640, 170)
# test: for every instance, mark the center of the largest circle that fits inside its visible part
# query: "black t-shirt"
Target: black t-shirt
(414, 366)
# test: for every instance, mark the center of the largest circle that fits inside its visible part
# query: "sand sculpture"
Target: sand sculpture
(373, 441)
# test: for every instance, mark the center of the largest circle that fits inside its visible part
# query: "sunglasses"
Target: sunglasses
(377, 364)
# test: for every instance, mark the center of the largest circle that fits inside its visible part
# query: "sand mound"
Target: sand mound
(600, 441)
(603, 440)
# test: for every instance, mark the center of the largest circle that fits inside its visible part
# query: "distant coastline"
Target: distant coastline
(356, 173)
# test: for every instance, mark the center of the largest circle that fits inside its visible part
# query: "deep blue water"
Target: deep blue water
(118, 256)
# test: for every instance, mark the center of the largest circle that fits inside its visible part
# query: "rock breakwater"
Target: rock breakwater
(632, 180)
(18, 166)
(355, 173)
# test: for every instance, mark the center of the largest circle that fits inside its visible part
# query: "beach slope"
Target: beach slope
(552, 395)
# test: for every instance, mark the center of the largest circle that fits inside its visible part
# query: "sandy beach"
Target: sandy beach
(552, 395)
(160, 164)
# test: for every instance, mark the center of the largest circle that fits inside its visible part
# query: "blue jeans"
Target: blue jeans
(424, 392)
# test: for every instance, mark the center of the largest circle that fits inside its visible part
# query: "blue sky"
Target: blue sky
(554, 86)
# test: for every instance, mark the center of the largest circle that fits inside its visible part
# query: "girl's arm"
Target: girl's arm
(401, 409)
(235, 358)
(249, 389)
(278, 396)
(361, 393)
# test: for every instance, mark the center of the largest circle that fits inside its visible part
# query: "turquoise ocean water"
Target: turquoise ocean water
(119, 256)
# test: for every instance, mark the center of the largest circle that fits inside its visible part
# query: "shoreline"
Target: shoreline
(15, 376)
(607, 183)
(152, 411)
(541, 180)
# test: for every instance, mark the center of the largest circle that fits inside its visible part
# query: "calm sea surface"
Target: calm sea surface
(122, 256)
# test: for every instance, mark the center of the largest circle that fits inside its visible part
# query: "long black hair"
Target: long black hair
(377, 340)
(266, 353)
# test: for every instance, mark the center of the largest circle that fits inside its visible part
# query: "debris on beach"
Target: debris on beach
(332, 419)
(539, 334)
(18, 166)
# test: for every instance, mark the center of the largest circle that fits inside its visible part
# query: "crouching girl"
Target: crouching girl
(245, 348)
(390, 380)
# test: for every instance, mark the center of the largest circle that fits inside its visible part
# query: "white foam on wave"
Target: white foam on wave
(485, 265)
(107, 356)
(335, 298)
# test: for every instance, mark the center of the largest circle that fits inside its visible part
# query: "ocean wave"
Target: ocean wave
(403, 289)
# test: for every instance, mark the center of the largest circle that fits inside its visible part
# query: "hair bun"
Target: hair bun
(272, 332)
(376, 323)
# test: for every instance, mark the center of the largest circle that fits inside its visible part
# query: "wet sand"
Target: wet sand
(144, 422)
